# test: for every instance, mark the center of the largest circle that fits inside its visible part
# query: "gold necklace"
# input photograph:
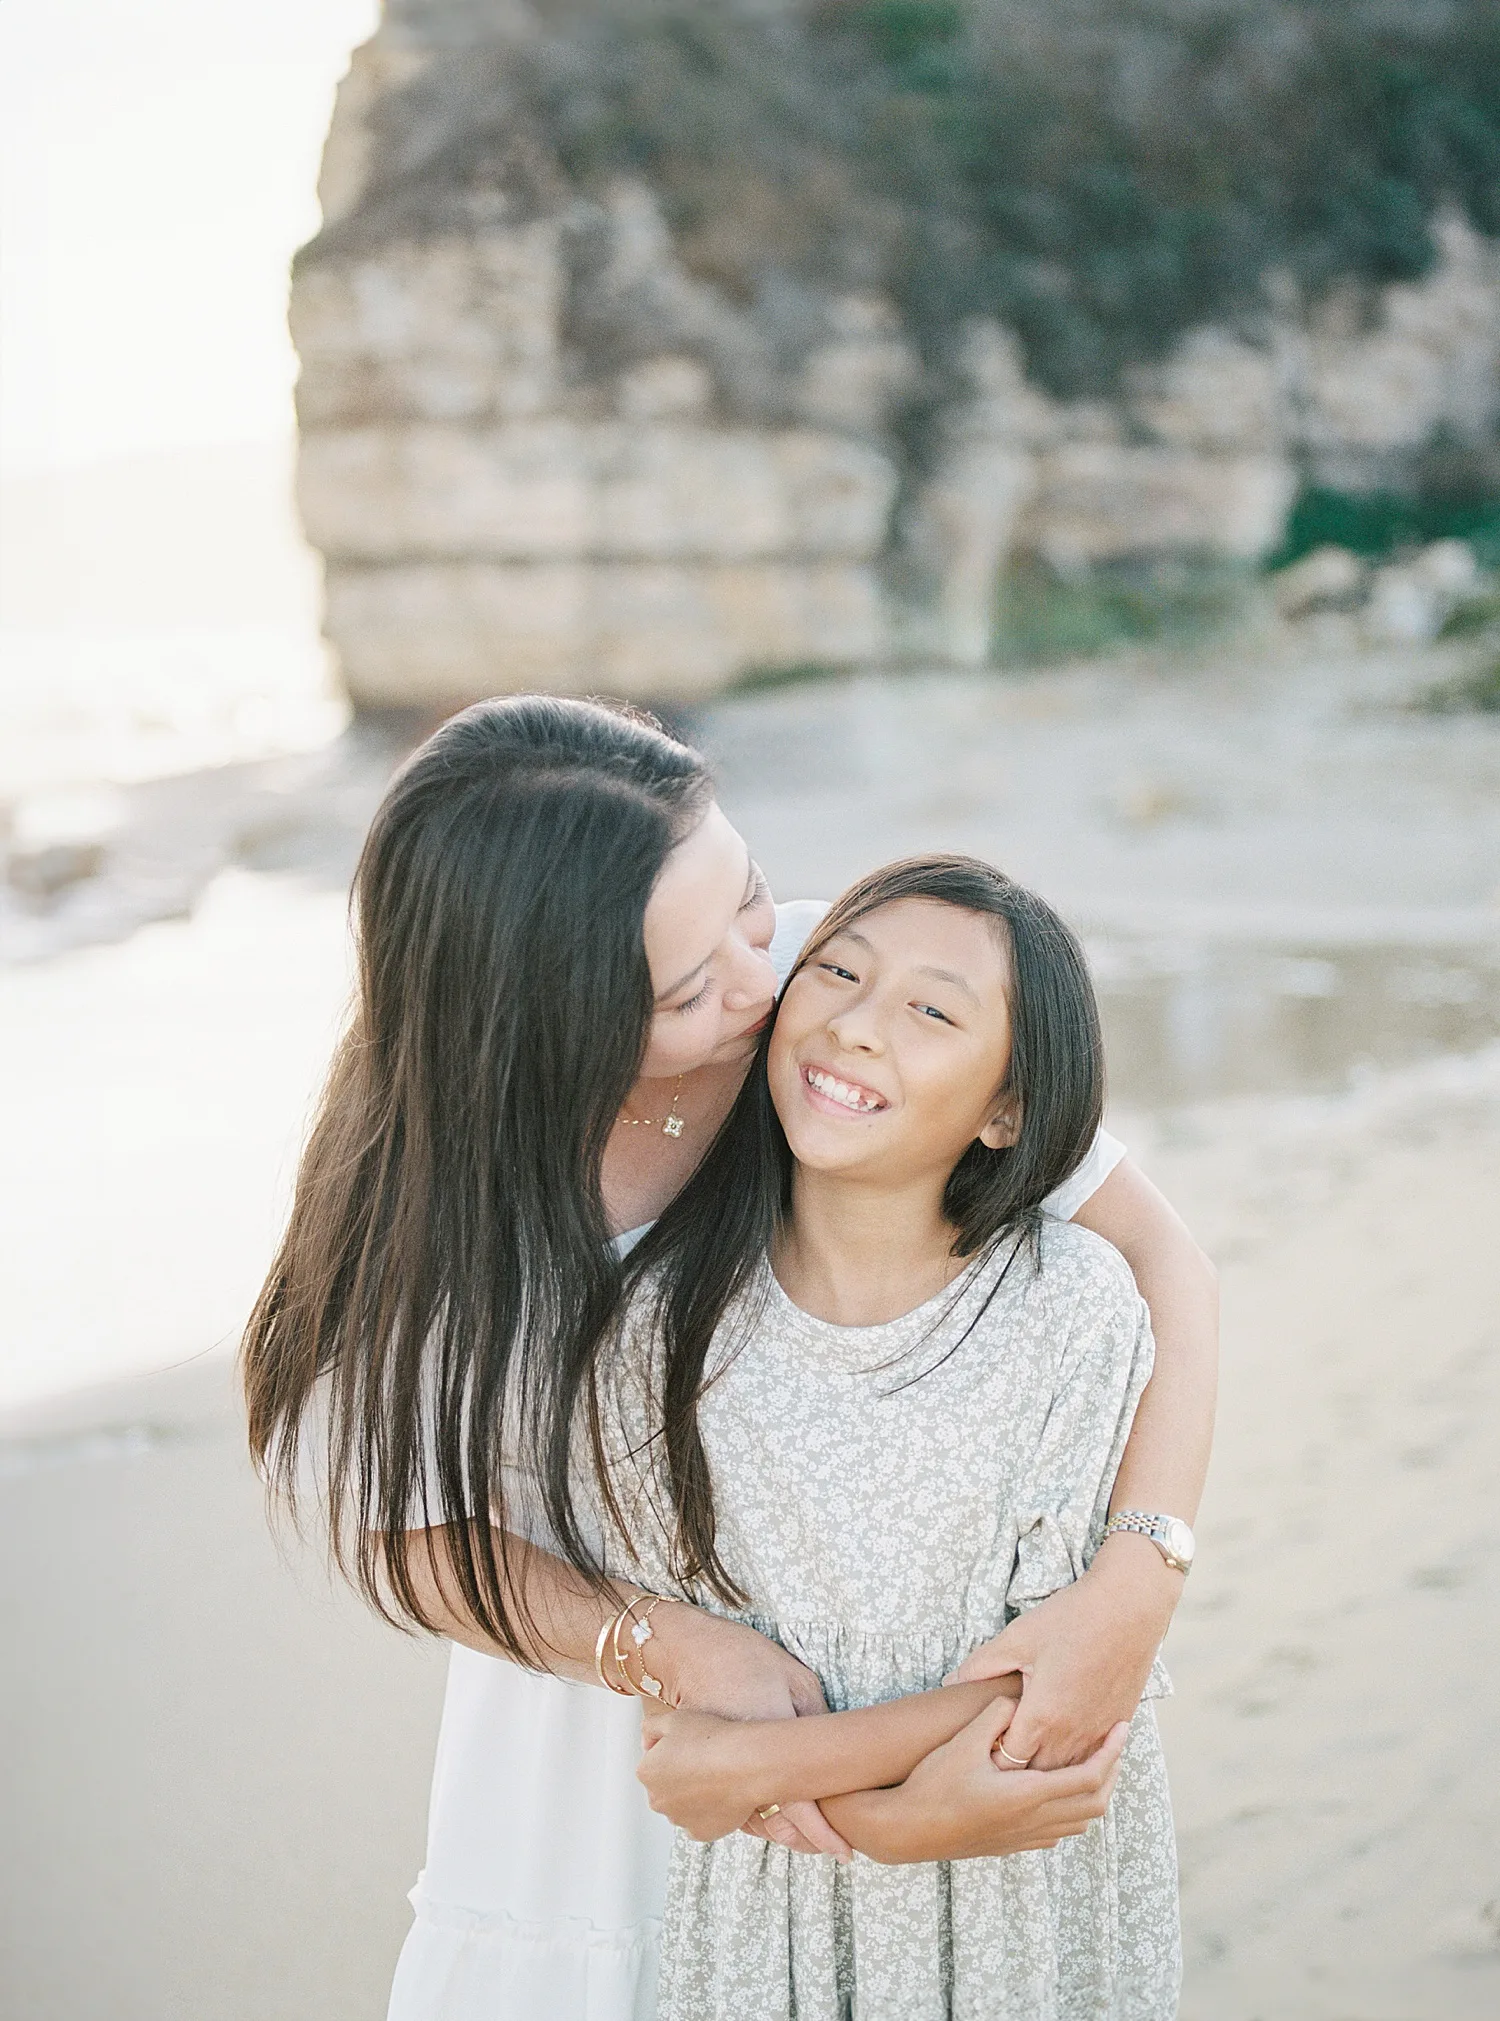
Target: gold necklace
(672, 1127)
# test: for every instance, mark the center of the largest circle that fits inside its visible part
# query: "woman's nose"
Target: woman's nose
(753, 981)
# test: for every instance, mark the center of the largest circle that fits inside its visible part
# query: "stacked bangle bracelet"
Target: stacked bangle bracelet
(640, 1633)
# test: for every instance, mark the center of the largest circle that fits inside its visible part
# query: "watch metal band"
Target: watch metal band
(1170, 1534)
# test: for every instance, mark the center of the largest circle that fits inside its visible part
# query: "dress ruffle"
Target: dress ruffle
(463, 1965)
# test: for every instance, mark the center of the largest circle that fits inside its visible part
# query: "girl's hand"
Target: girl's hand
(693, 1773)
(1084, 1653)
(709, 1665)
(961, 1803)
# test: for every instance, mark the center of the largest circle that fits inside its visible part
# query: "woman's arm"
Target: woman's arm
(951, 1800)
(703, 1661)
(709, 1774)
(1166, 1459)
(1087, 1651)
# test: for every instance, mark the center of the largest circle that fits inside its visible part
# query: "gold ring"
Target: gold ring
(771, 1810)
(1000, 1749)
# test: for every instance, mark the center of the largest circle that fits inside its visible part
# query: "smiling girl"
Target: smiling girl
(871, 1401)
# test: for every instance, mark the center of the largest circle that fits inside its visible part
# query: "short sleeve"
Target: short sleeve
(794, 923)
(1104, 1365)
(1102, 1157)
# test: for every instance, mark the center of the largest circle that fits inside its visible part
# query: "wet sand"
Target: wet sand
(217, 1800)
(1335, 1742)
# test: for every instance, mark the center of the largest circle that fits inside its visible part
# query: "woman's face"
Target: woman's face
(892, 1045)
(708, 927)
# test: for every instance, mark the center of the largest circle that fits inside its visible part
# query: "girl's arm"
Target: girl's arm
(1087, 1651)
(950, 1800)
(709, 1774)
(960, 1803)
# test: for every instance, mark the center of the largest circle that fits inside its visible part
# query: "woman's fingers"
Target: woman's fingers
(801, 1828)
(1002, 1656)
(782, 1828)
(1084, 1791)
(655, 1722)
(815, 1828)
(806, 1692)
(1046, 1805)
(1048, 1735)
(987, 1728)
(1103, 1764)
(781, 1832)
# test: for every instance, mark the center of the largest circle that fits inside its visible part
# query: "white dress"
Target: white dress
(887, 1498)
(542, 1894)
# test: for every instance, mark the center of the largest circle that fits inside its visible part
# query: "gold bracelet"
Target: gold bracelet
(607, 1634)
(641, 1633)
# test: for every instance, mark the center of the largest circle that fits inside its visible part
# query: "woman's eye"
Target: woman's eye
(759, 894)
(694, 1002)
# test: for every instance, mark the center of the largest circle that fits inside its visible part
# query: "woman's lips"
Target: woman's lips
(837, 1096)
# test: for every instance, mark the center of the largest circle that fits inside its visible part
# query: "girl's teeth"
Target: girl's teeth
(840, 1091)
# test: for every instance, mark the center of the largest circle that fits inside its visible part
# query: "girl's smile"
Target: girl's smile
(833, 1095)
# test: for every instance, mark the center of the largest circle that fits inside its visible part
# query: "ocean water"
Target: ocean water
(155, 1094)
(86, 708)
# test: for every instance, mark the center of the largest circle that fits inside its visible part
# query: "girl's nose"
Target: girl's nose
(856, 1030)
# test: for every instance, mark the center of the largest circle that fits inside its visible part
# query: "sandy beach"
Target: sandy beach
(218, 1764)
(219, 1804)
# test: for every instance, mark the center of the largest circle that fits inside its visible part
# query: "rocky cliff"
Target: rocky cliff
(647, 345)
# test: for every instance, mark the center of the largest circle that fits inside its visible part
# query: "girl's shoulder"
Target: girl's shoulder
(1073, 1262)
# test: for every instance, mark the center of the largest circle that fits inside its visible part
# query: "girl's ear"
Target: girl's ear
(1003, 1128)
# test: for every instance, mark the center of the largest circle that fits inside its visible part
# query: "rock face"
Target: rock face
(539, 450)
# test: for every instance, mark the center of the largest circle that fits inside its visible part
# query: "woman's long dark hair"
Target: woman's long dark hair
(704, 1251)
(447, 1270)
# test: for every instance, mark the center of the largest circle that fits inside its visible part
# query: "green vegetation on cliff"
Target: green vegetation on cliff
(1100, 174)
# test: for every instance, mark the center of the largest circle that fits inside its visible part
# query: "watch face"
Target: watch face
(1179, 1540)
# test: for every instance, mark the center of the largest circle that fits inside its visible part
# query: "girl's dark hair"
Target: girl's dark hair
(447, 1269)
(705, 1249)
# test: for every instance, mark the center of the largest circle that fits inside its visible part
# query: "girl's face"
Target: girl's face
(892, 1045)
(708, 930)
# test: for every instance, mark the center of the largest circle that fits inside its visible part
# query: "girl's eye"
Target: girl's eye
(832, 968)
(693, 1002)
(930, 1010)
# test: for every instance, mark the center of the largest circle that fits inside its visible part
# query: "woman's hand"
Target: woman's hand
(708, 1664)
(712, 1666)
(1085, 1653)
(961, 1803)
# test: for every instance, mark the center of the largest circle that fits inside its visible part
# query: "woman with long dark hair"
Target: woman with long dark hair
(565, 955)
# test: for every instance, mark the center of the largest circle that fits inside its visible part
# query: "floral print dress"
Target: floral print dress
(889, 1497)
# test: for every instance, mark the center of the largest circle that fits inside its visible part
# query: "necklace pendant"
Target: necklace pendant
(672, 1127)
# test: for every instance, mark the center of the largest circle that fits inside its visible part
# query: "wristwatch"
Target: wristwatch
(1170, 1535)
